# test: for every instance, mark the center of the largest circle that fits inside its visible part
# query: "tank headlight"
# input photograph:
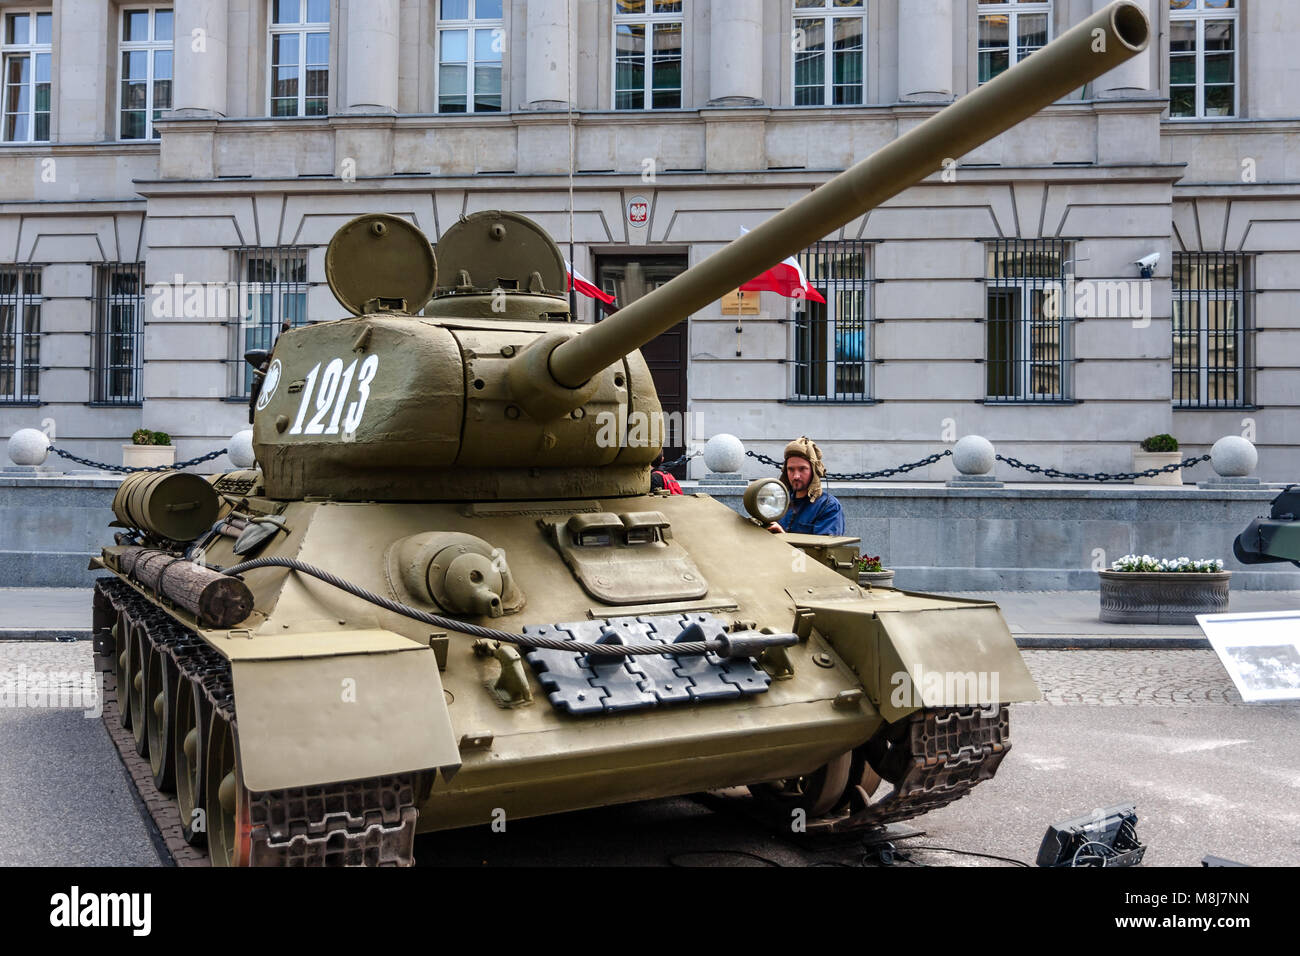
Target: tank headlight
(767, 499)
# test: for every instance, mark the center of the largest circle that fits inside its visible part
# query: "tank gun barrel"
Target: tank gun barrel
(1097, 45)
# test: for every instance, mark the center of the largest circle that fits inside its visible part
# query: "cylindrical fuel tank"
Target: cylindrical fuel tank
(175, 505)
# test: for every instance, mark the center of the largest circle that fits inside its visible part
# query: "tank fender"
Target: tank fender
(311, 720)
(953, 656)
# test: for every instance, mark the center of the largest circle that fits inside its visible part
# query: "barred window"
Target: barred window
(832, 343)
(1027, 326)
(1008, 32)
(300, 57)
(471, 38)
(20, 334)
(273, 295)
(118, 335)
(146, 48)
(829, 54)
(648, 54)
(1210, 330)
(26, 47)
(1202, 58)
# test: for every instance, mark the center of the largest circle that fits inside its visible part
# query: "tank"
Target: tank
(448, 597)
(1276, 537)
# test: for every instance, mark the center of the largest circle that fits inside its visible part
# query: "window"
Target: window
(300, 57)
(831, 344)
(1026, 329)
(1008, 32)
(119, 334)
(471, 36)
(20, 334)
(26, 50)
(647, 54)
(274, 293)
(146, 48)
(829, 77)
(1209, 328)
(1202, 58)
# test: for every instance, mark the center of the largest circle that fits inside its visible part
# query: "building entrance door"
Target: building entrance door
(627, 278)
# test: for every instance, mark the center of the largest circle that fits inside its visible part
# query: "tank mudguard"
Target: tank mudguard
(941, 653)
(304, 721)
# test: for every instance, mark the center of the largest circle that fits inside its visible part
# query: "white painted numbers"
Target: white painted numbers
(331, 399)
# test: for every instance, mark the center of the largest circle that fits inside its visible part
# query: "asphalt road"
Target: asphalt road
(1165, 729)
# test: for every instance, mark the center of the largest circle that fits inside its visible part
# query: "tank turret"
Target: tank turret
(472, 381)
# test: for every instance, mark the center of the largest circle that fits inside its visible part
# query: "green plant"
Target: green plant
(143, 436)
(865, 563)
(1160, 443)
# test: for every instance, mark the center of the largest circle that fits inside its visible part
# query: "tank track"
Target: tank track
(357, 823)
(933, 758)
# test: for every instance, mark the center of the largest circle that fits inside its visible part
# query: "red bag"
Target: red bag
(671, 484)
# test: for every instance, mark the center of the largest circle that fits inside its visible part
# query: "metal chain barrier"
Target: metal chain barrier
(862, 475)
(1102, 475)
(669, 465)
(122, 469)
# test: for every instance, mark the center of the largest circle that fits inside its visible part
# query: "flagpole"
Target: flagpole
(568, 42)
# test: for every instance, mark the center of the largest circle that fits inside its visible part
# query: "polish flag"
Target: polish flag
(785, 278)
(578, 281)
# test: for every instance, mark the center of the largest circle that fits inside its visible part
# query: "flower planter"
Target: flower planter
(1162, 597)
(876, 579)
(148, 456)
(1142, 460)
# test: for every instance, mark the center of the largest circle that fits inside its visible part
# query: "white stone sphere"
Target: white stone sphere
(973, 455)
(724, 454)
(29, 446)
(1234, 457)
(241, 449)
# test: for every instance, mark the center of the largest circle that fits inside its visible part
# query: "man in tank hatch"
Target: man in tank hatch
(814, 510)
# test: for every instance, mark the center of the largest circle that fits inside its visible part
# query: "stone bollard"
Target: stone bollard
(28, 448)
(240, 449)
(724, 456)
(1233, 458)
(974, 458)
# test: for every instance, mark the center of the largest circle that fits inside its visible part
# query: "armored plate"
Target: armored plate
(380, 263)
(495, 249)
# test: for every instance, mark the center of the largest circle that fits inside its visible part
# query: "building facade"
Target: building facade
(171, 173)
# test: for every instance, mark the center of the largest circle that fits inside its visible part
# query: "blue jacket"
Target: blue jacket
(823, 516)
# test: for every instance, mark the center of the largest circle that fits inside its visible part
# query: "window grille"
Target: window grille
(118, 337)
(272, 292)
(1027, 322)
(832, 342)
(1211, 334)
(20, 334)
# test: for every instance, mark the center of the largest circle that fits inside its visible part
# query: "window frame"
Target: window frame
(302, 29)
(1013, 10)
(31, 49)
(1025, 327)
(826, 12)
(1199, 15)
(150, 47)
(824, 279)
(1201, 294)
(21, 299)
(470, 25)
(106, 300)
(255, 323)
(650, 21)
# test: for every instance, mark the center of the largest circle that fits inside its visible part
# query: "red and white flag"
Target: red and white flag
(785, 278)
(578, 281)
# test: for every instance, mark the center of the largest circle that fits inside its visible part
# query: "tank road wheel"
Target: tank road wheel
(137, 671)
(122, 637)
(188, 724)
(817, 793)
(229, 831)
(160, 683)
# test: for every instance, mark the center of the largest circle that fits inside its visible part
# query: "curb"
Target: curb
(1084, 642)
(62, 635)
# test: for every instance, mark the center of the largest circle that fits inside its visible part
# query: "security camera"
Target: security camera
(1148, 264)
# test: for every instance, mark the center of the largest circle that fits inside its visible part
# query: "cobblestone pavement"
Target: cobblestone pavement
(1112, 678)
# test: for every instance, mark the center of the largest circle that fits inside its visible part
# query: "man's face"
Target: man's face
(798, 472)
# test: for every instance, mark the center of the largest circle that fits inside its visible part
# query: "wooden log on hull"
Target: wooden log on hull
(216, 599)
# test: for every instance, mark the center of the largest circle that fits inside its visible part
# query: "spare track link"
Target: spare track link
(357, 823)
(938, 757)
